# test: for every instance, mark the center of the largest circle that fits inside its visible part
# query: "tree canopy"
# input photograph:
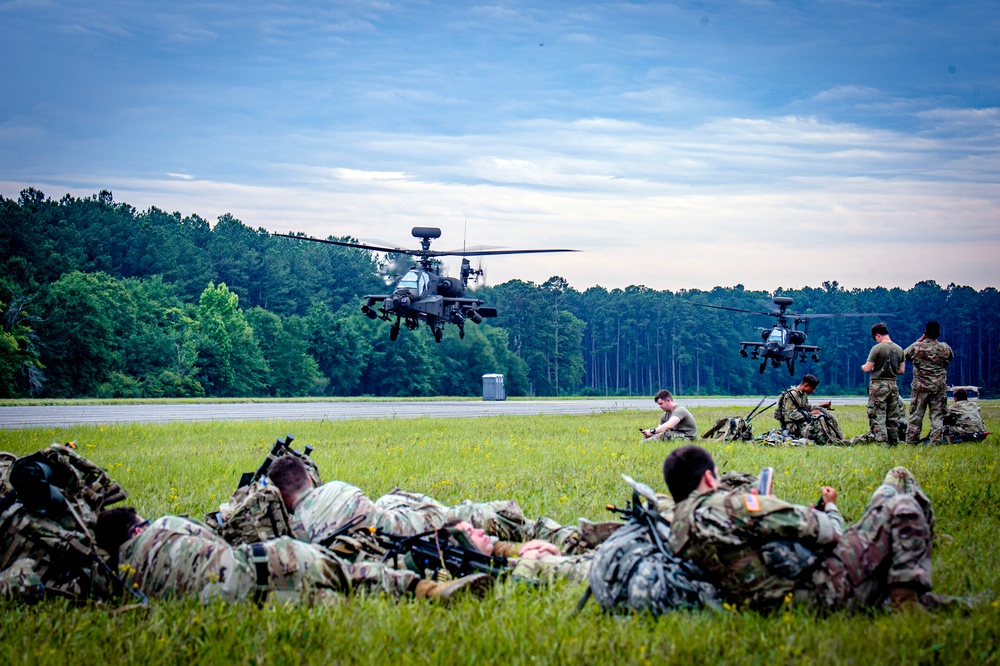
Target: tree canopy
(99, 299)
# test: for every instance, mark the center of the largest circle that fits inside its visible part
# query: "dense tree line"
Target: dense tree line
(99, 299)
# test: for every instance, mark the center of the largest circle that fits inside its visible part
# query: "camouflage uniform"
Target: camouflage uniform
(550, 568)
(762, 551)
(884, 406)
(964, 418)
(794, 413)
(685, 429)
(176, 557)
(322, 511)
(930, 359)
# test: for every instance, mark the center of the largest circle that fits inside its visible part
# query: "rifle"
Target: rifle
(279, 449)
(347, 527)
(431, 552)
(754, 413)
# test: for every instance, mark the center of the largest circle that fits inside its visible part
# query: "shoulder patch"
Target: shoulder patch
(751, 502)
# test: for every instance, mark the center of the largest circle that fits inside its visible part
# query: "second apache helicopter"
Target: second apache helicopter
(423, 293)
(781, 343)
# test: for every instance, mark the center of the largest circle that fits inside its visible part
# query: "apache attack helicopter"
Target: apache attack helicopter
(423, 293)
(782, 343)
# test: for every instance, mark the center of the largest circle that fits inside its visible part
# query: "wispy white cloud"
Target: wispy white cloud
(679, 145)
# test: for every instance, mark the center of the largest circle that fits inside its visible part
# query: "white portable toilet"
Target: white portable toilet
(493, 387)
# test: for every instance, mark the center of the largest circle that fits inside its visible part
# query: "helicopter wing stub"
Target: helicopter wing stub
(463, 301)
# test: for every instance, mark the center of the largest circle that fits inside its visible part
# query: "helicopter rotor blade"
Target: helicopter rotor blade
(803, 317)
(418, 253)
(362, 246)
(486, 253)
(722, 307)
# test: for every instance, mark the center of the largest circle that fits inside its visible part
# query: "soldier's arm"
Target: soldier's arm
(870, 364)
(769, 518)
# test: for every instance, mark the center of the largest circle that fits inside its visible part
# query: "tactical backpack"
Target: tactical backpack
(254, 513)
(730, 429)
(49, 502)
(635, 570)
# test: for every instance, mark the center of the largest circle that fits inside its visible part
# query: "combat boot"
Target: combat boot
(904, 597)
(476, 585)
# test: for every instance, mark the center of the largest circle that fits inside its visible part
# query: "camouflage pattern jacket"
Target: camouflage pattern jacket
(743, 542)
(322, 511)
(177, 557)
(794, 412)
(964, 418)
(930, 359)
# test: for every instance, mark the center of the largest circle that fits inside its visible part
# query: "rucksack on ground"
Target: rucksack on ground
(634, 569)
(254, 513)
(49, 502)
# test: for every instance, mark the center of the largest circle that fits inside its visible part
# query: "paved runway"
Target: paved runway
(66, 415)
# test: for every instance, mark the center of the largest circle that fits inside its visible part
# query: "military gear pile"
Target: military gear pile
(730, 429)
(781, 438)
(635, 570)
(254, 513)
(48, 512)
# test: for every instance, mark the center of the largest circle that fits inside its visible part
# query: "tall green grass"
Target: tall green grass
(563, 467)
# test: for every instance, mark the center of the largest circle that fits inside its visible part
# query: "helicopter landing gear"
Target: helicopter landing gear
(394, 330)
(438, 334)
(763, 364)
(791, 365)
(461, 332)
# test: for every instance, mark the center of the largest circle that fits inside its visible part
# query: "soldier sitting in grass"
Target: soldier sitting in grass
(175, 556)
(675, 423)
(963, 420)
(800, 419)
(761, 552)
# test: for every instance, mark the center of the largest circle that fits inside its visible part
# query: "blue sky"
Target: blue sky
(679, 145)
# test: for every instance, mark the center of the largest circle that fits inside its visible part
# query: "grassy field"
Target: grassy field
(562, 467)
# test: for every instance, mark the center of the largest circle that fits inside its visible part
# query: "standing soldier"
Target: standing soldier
(930, 358)
(885, 363)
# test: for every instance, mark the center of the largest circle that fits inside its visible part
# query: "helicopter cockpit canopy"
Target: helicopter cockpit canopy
(777, 336)
(415, 281)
